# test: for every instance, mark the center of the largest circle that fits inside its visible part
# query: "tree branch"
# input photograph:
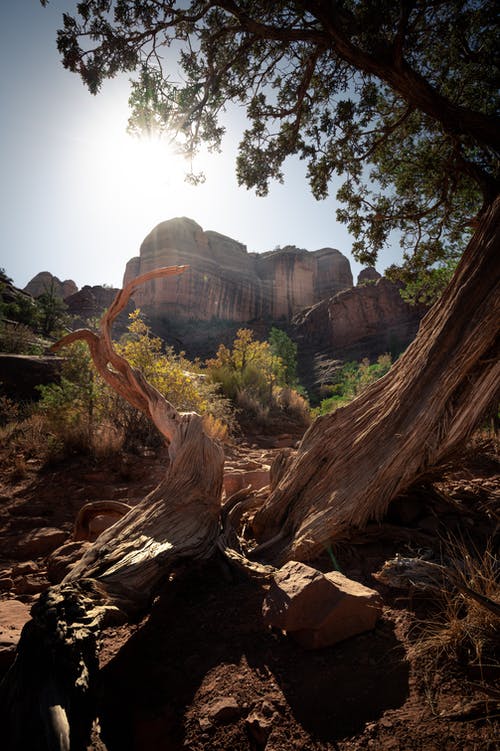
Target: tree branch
(125, 380)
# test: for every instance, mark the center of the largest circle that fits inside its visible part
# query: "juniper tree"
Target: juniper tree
(400, 101)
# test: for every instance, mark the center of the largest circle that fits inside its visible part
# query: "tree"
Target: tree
(46, 699)
(285, 350)
(52, 311)
(400, 98)
(247, 374)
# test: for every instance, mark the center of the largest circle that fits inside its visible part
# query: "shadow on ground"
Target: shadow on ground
(205, 640)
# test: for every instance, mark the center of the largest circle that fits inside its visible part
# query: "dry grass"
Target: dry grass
(294, 404)
(464, 631)
(28, 436)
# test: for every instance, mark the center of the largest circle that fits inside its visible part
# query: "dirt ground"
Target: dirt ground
(200, 671)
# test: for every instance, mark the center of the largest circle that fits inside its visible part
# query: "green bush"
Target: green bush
(352, 379)
(254, 374)
(84, 415)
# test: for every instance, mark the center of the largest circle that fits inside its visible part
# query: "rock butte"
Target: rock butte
(310, 294)
(227, 282)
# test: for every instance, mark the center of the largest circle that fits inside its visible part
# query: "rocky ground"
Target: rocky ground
(201, 671)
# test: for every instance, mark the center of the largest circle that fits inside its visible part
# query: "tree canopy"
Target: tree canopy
(397, 98)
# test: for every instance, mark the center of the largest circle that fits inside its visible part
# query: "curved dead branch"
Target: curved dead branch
(116, 371)
(47, 698)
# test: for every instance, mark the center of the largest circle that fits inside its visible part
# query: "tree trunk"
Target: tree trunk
(351, 464)
(46, 699)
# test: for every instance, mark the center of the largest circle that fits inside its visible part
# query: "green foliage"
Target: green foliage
(84, 414)
(352, 379)
(52, 313)
(398, 99)
(248, 367)
(18, 339)
(23, 317)
(256, 378)
(424, 286)
(4, 277)
(178, 379)
(285, 350)
(72, 407)
(23, 310)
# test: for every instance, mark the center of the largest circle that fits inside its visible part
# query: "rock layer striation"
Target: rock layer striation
(227, 282)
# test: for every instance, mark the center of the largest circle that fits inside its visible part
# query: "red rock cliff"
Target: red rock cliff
(227, 282)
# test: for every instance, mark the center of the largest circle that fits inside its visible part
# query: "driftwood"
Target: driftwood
(87, 525)
(46, 698)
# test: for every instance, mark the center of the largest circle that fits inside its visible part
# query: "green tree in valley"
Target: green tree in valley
(285, 350)
(52, 312)
(400, 101)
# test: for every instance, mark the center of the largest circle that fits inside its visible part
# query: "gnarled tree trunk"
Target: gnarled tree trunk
(352, 463)
(46, 698)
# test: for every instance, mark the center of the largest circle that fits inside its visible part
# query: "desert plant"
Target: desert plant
(285, 350)
(70, 407)
(351, 380)
(84, 415)
(256, 377)
(466, 628)
(18, 338)
(27, 437)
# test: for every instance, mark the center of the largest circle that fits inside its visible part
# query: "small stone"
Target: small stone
(27, 567)
(40, 542)
(259, 727)
(29, 585)
(224, 710)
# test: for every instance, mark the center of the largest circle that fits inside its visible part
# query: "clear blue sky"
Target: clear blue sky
(78, 195)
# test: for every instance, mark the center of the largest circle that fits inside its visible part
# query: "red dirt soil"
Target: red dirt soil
(201, 671)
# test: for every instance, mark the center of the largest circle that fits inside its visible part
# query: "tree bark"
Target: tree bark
(351, 464)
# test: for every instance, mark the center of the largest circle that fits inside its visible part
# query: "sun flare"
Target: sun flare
(146, 176)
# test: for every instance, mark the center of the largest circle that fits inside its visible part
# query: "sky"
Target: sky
(78, 195)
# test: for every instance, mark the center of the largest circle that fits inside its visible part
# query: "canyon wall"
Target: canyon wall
(227, 282)
(309, 294)
(364, 321)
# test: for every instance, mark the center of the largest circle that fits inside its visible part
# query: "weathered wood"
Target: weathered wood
(46, 700)
(82, 529)
(352, 463)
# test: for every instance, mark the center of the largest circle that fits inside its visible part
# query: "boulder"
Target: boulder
(13, 616)
(319, 609)
(40, 542)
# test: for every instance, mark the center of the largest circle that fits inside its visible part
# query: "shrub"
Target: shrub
(352, 379)
(463, 631)
(18, 339)
(256, 378)
(83, 415)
